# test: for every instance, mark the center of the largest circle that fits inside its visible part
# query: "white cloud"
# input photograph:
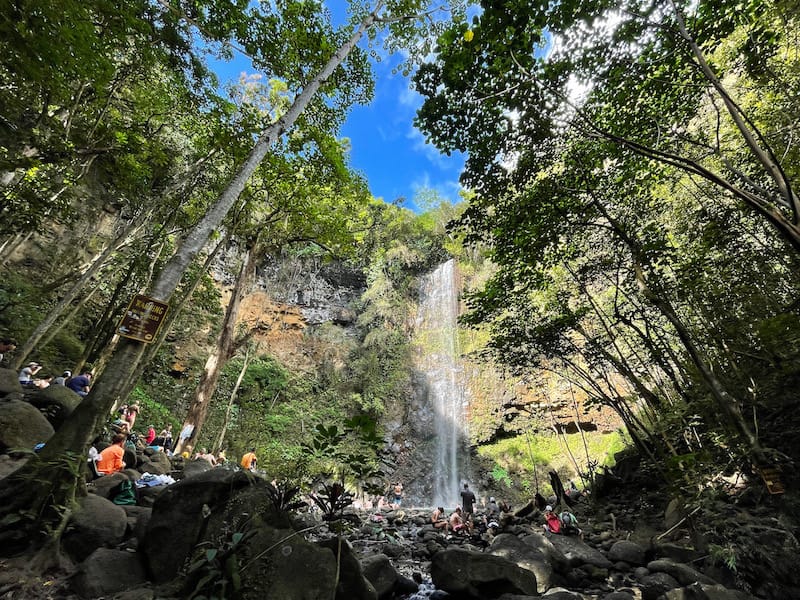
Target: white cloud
(447, 189)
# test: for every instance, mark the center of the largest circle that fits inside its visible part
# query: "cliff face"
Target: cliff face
(291, 299)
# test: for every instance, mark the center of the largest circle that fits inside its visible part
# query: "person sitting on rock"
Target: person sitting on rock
(439, 520)
(569, 524)
(81, 384)
(27, 373)
(552, 523)
(151, 435)
(206, 456)
(249, 460)
(62, 379)
(111, 458)
(457, 522)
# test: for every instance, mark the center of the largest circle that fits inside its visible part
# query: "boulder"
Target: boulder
(195, 509)
(9, 382)
(466, 574)
(138, 518)
(381, 574)
(352, 583)
(629, 552)
(526, 556)
(22, 426)
(702, 591)
(157, 463)
(196, 467)
(684, 574)
(55, 402)
(577, 552)
(653, 586)
(9, 464)
(288, 567)
(107, 572)
(103, 486)
(96, 523)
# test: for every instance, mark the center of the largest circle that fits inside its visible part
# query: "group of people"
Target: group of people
(464, 520)
(80, 384)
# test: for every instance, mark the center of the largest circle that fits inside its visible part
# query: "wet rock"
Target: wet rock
(96, 523)
(684, 574)
(22, 426)
(107, 572)
(480, 576)
(629, 552)
(656, 584)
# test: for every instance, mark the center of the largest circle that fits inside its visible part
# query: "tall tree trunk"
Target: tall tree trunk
(172, 315)
(224, 349)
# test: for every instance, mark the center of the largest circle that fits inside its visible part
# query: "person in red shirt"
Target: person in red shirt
(552, 523)
(151, 435)
(111, 458)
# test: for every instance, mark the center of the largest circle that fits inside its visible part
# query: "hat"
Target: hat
(491, 499)
(548, 508)
(67, 374)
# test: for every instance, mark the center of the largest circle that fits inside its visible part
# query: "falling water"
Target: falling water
(437, 336)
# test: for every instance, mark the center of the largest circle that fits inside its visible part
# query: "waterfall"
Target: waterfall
(443, 377)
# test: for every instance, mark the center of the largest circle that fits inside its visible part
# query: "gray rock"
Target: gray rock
(656, 584)
(578, 553)
(22, 426)
(157, 463)
(701, 591)
(529, 556)
(96, 523)
(684, 574)
(629, 552)
(352, 583)
(107, 572)
(381, 574)
(56, 402)
(9, 382)
(102, 486)
(480, 576)
(195, 509)
(619, 596)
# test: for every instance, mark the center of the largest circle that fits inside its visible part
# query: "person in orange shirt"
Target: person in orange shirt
(111, 458)
(249, 460)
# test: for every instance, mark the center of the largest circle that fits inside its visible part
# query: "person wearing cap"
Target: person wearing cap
(62, 379)
(26, 374)
(552, 523)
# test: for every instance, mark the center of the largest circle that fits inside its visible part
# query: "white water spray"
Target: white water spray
(437, 336)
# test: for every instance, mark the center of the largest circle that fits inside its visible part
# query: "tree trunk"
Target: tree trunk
(174, 311)
(198, 410)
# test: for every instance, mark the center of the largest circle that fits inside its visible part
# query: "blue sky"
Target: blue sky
(390, 152)
(385, 146)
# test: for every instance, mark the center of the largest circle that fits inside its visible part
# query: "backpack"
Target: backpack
(125, 493)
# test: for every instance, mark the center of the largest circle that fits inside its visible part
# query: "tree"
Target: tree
(552, 166)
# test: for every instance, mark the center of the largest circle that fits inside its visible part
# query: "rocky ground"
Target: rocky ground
(222, 532)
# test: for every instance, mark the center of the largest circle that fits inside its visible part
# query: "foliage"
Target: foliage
(332, 500)
(215, 573)
(509, 459)
(153, 412)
